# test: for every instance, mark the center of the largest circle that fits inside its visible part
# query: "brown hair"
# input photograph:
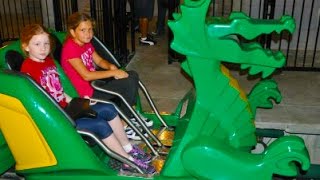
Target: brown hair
(29, 31)
(76, 18)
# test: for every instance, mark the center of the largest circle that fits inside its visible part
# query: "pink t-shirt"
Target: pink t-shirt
(72, 50)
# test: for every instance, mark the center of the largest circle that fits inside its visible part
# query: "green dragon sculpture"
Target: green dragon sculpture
(221, 130)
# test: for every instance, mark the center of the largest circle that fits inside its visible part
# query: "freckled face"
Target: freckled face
(83, 33)
(38, 47)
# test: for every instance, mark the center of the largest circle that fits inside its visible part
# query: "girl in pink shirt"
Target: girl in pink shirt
(79, 59)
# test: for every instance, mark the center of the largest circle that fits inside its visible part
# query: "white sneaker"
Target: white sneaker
(131, 134)
(147, 41)
(148, 122)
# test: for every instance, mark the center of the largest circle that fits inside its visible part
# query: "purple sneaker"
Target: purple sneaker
(139, 154)
(146, 168)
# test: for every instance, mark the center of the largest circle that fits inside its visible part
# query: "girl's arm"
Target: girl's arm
(87, 75)
(99, 61)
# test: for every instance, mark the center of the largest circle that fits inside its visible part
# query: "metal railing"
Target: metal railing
(302, 49)
(110, 15)
(16, 14)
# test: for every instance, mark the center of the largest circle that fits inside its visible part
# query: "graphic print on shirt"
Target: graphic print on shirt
(87, 59)
(51, 82)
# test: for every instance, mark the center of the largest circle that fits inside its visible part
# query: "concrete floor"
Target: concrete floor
(298, 113)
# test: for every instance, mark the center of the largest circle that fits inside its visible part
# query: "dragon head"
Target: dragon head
(216, 38)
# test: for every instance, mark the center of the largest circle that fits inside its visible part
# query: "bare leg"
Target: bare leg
(143, 24)
(113, 143)
(117, 127)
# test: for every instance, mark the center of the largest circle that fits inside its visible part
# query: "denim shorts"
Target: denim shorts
(99, 125)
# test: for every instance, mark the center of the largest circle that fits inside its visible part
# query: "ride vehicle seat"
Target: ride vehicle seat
(32, 117)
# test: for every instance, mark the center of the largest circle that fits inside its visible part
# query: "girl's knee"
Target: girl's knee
(100, 127)
(133, 75)
(133, 80)
(104, 130)
(106, 111)
(109, 113)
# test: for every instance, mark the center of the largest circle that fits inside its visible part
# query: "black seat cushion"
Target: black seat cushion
(57, 49)
(14, 60)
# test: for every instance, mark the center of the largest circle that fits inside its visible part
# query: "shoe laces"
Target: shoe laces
(146, 120)
(137, 150)
(141, 164)
(135, 122)
(128, 130)
(138, 153)
(148, 169)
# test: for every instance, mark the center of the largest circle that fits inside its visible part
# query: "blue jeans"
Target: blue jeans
(99, 125)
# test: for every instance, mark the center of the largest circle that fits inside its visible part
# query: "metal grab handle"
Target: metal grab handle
(155, 109)
(138, 118)
(110, 152)
(151, 103)
(126, 119)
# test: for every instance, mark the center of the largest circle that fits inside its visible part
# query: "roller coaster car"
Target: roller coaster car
(211, 132)
(33, 98)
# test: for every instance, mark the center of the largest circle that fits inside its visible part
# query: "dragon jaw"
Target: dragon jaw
(216, 40)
